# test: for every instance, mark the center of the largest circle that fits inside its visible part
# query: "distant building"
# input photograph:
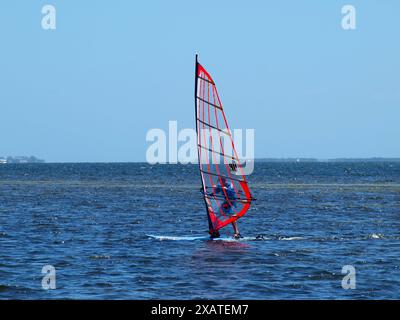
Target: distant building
(21, 159)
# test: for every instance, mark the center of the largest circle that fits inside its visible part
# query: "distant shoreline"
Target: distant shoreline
(374, 159)
(257, 160)
(20, 159)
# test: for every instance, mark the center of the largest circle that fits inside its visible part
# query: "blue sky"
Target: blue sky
(91, 89)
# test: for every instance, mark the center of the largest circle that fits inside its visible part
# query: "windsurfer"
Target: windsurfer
(227, 189)
(226, 198)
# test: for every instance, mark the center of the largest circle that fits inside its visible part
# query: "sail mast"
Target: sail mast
(210, 225)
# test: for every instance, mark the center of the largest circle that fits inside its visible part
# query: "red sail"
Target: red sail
(224, 187)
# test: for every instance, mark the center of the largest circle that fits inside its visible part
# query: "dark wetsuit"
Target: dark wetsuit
(230, 193)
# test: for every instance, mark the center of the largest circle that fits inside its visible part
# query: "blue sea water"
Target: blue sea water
(92, 221)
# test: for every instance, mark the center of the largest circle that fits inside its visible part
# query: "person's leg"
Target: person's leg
(236, 230)
(234, 223)
(235, 227)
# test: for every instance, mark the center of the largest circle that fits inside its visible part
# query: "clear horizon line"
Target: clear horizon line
(256, 159)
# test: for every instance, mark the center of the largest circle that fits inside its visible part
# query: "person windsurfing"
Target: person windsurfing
(227, 190)
(234, 198)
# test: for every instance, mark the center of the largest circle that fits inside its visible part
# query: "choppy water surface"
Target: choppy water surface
(90, 222)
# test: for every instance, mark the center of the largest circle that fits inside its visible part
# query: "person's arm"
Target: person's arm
(217, 190)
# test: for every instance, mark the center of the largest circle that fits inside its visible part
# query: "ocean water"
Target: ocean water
(92, 221)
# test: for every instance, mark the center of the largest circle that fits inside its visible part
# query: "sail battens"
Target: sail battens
(207, 80)
(213, 127)
(216, 152)
(209, 103)
(221, 176)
